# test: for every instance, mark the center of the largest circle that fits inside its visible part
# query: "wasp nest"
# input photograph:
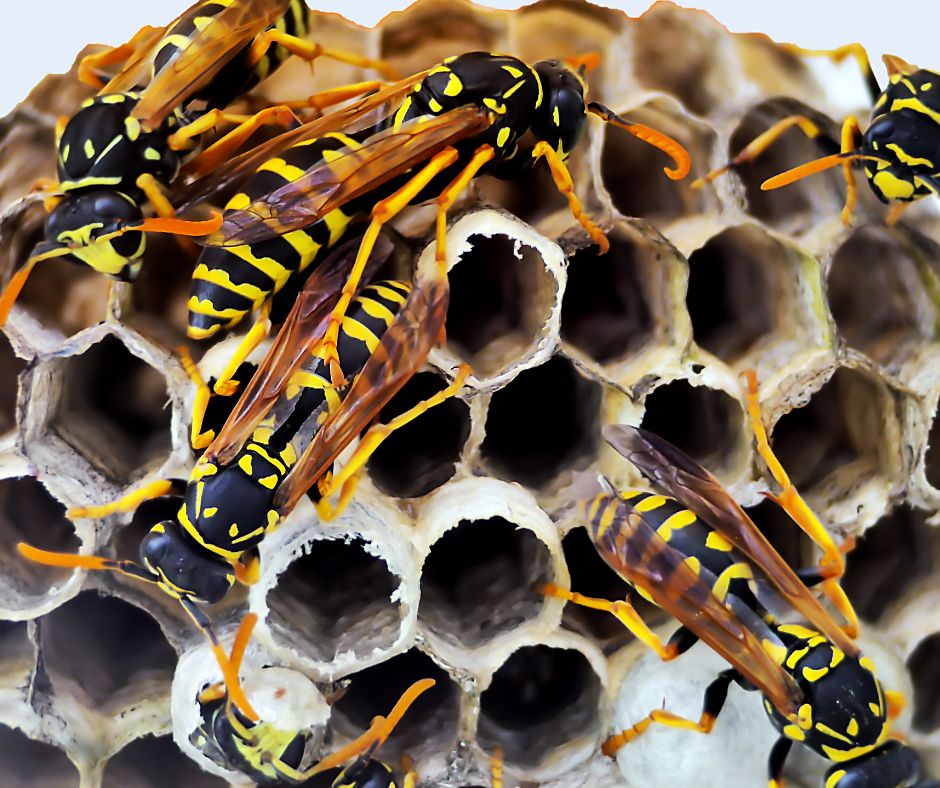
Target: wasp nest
(429, 573)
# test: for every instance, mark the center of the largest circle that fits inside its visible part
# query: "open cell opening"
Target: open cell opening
(500, 297)
(114, 410)
(878, 298)
(336, 598)
(704, 423)
(26, 763)
(28, 513)
(422, 455)
(606, 312)
(736, 284)
(15, 645)
(890, 559)
(924, 666)
(532, 195)
(543, 422)
(820, 194)
(540, 699)
(841, 425)
(124, 654)
(932, 457)
(431, 722)
(477, 581)
(154, 762)
(10, 368)
(632, 170)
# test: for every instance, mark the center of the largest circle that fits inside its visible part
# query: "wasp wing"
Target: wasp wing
(401, 352)
(304, 327)
(634, 549)
(679, 476)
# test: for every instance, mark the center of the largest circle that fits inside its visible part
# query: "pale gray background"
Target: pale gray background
(42, 36)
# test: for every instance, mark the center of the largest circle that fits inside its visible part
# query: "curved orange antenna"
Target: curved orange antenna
(178, 226)
(242, 637)
(811, 168)
(15, 286)
(69, 560)
(409, 696)
(675, 150)
(586, 61)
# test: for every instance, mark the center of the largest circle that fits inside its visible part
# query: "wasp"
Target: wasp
(898, 150)
(420, 139)
(125, 145)
(280, 440)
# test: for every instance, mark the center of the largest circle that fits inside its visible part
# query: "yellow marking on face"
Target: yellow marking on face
(794, 732)
(111, 98)
(244, 463)
(918, 106)
(866, 663)
(541, 93)
(827, 731)
(453, 86)
(151, 154)
(200, 488)
(89, 148)
(841, 756)
(556, 118)
(66, 150)
(246, 537)
(502, 137)
(912, 161)
(874, 708)
(817, 640)
(233, 530)
(497, 106)
(512, 71)
(109, 146)
(209, 511)
(269, 481)
(716, 541)
(833, 779)
(925, 86)
(441, 69)
(132, 128)
(814, 674)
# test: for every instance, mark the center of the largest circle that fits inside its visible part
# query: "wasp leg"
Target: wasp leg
(225, 384)
(564, 185)
(155, 195)
(496, 768)
(89, 65)
(715, 696)
(850, 133)
(894, 213)
(131, 500)
(248, 568)
(896, 703)
(623, 611)
(310, 51)
(328, 98)
(776, 761)
(348, 476)
(839, 54)
(760, 144)
(408, 769)
(197, 438)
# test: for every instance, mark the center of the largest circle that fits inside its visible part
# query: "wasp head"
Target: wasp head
(182, 568)
(562, 117)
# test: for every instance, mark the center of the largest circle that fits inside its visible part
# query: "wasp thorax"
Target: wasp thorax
(561, 119)
(185, 566)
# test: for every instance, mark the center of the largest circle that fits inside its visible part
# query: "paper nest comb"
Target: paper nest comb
(429, 572)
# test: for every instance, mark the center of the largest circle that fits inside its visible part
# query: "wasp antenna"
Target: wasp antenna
(87, 562)
(811, 168)
(18, 280)
(675, 150)
(175, 226)
(586, 61)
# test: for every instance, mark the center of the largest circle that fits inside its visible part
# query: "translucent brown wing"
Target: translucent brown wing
(218, 39)
(297, 337)
(678, 475)
(402, 351)
(137, 69)
(351, 172)
(632, 546)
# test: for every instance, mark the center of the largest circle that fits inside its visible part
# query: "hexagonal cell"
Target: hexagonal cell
(336, 598)
(28, 513)
(878, 295)
(891, 558)
(422, 455)
(501, 297)
(10, 367)
(150, 762)
(606, 311)
(477, 581)
(26, 763)
(540, 699)
(105, 630)
(743, 287)
(819, 195)
(627, 162)
(924, 665)
(543, 422)
(431, 724)
(113, 409)
(705, 423)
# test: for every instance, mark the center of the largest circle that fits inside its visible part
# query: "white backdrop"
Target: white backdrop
(902, 27)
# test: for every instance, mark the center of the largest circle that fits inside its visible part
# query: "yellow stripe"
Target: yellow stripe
(651, 503)
(261, 452)
(715, 541)
(906, 157)
(512, 71)
(221, 278)
(205, 307)
(739, 571)
(825, 729)
(336, 222)
(248, 536)
(674, 522)
(376, 309)
(357, 330)
(402, 112)
(267, 265)
(277, 165)
(309, 380)
(389, 293)
(918, 106)
(513, 89)
(304, 245)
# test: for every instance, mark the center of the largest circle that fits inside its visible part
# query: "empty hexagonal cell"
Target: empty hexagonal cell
(10, 367)
(28, 513)
(607, 311)
(818, 195)
(705, 423)
(420, 456)
(632, 171)
(743, 286)
(541, 699)
(501, 297)
(114, 409)
(150, 762)
(543, 422)
(878, 294)
(924, 665)
(430, 726)
(26, 763)
(105, 631)
(337, 598)
(477, 581)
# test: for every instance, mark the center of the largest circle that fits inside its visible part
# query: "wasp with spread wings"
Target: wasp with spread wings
(126, 145)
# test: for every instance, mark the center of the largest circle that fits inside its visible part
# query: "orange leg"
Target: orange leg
(894, 213)
(310, 51)
(197, 438)
(125, 503)
(328, 98)
(90, 64)
(850, 133)
(224, 384)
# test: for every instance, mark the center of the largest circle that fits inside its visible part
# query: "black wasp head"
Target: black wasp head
(892, 763)
(562, 118)
(366, 772)
(183, 567)
(81, 220)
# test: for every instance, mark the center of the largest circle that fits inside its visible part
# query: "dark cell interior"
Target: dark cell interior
(26, 763)
(932, 458)
(420, 456)
(104, 630)
(605, 311)
(478, 579)
(10, 367)
(924, 665)
(15, 644)
(151, 762)
(543, 422)
(532, 195)
(703, 422)
(539, 699)
(335, 598)
(114, 409)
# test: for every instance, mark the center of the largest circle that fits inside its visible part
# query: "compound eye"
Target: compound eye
(881, 129)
